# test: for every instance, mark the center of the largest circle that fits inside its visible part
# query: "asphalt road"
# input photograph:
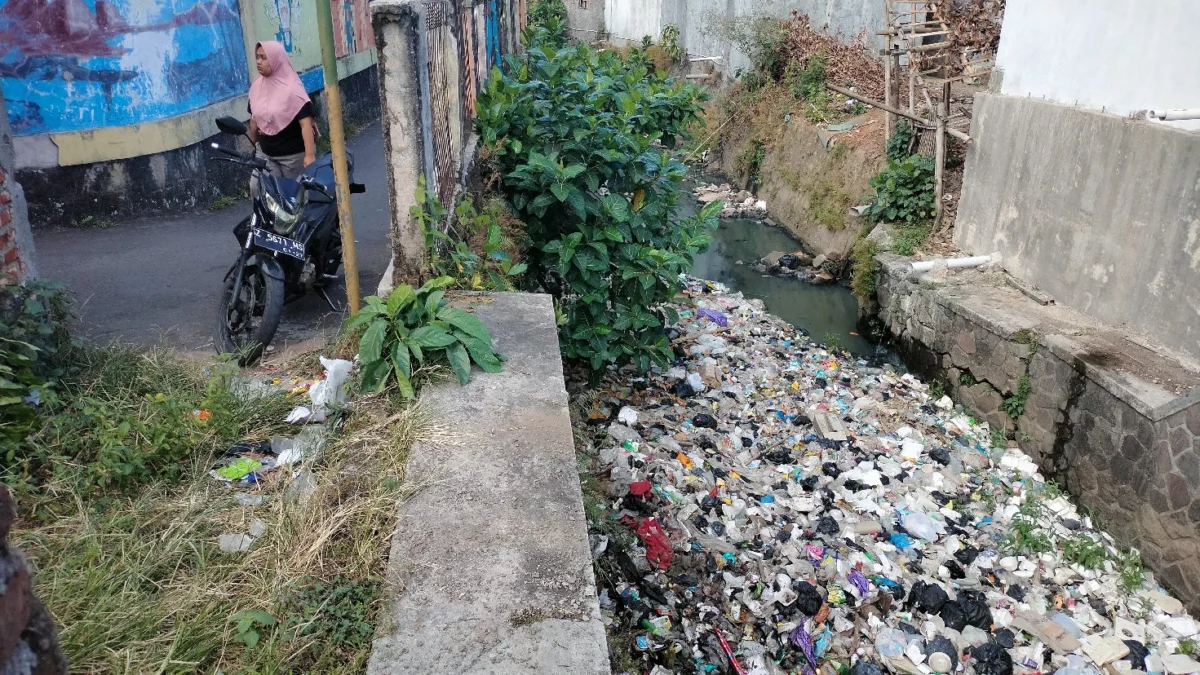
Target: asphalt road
(158, 280)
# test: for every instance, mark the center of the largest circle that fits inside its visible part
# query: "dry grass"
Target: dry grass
(138, 584)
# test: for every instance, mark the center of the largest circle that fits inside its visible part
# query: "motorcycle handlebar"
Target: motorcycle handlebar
(239, 158)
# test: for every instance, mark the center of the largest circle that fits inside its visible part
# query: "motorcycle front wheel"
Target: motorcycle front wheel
(246, 325)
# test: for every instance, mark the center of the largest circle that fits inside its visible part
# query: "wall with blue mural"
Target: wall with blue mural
(69, 65)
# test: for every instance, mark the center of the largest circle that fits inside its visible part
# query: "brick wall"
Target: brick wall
(11, 267)
(28, 638)
(16, 240)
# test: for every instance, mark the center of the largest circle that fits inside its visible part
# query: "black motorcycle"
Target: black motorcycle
(291, 244)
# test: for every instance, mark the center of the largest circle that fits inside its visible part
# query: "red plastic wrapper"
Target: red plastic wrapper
(658, 546)
(640, 488)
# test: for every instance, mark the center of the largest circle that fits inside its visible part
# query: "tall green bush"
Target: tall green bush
(576, 134)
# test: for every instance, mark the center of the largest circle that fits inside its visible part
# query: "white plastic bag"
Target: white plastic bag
(332, 389)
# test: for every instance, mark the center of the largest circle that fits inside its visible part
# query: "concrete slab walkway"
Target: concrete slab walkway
(491, 556)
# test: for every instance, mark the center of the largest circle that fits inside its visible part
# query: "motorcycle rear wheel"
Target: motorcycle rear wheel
(246, 328)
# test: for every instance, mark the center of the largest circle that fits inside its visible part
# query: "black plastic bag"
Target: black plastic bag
(992, 659)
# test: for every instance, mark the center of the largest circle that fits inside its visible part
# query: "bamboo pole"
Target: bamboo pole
(876, 104)
(890, 122)
(940, 170)
(337, 143)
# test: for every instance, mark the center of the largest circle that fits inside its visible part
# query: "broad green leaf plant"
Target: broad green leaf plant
(581, 138)
(418, 327)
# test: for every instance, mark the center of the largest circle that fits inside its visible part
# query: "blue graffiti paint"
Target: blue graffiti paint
(493, 35)
(105, 70)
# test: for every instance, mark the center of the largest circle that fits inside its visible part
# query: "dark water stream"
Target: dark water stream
(829, 311)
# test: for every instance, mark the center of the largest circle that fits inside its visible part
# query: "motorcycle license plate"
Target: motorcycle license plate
(278, 243)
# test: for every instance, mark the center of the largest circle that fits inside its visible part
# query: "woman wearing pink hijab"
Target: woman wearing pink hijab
(281, 114)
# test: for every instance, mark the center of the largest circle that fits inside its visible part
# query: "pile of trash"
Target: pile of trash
(773, 507)
(253, 462)
(737, 203)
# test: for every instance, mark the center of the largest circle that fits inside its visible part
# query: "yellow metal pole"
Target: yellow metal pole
(337, 142)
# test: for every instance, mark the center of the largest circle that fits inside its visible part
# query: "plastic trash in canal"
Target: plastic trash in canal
(797, 510)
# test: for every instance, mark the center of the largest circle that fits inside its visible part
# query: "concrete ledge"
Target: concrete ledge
(492, 555)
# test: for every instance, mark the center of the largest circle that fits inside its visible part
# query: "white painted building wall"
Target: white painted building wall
(633, 19)
(1117, 56)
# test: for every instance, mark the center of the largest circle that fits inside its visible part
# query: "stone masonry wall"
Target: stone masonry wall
(1133, 459)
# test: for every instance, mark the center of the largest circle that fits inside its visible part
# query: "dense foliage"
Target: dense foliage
(418, 325)
(904, 192)
(34, 321)
(575, 133)
(469, 245)
(548, 14)
(900, 144)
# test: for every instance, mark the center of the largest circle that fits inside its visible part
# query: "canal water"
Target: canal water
(826, 312)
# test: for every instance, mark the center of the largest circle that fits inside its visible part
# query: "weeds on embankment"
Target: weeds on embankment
(131, 569)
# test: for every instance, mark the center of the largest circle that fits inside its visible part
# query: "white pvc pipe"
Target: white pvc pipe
(952, 263)
(1174, 115)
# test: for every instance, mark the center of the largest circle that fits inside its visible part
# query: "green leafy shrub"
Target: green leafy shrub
(864, 268)
(451, 253)
(551, 14)
(904, 192)
(670, 44)
(807, 80)
(574, 133)
(124, 416)
(1085, 551)
(1014, 405)
(899, 146)
(18, 417)
(1132, 570)
(418, 325)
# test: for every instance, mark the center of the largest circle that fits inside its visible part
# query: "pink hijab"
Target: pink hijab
(275, 99)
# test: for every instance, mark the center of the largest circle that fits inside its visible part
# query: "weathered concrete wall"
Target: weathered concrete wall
(119, 99)
(404, 135)
(705, 25)
(585, 19)
(16, 241)
(157, 182)
(1101, 212)
(1117, 423)
(433, 62)
(1117, 56)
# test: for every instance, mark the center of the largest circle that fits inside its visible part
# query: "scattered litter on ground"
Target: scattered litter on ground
(234, 543)
(773, 507)
(251, 461)
(736, 203)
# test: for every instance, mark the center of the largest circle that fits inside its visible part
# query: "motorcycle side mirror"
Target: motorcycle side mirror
(231, 125)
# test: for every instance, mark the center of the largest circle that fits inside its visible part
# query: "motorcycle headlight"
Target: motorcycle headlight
(285, 221)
